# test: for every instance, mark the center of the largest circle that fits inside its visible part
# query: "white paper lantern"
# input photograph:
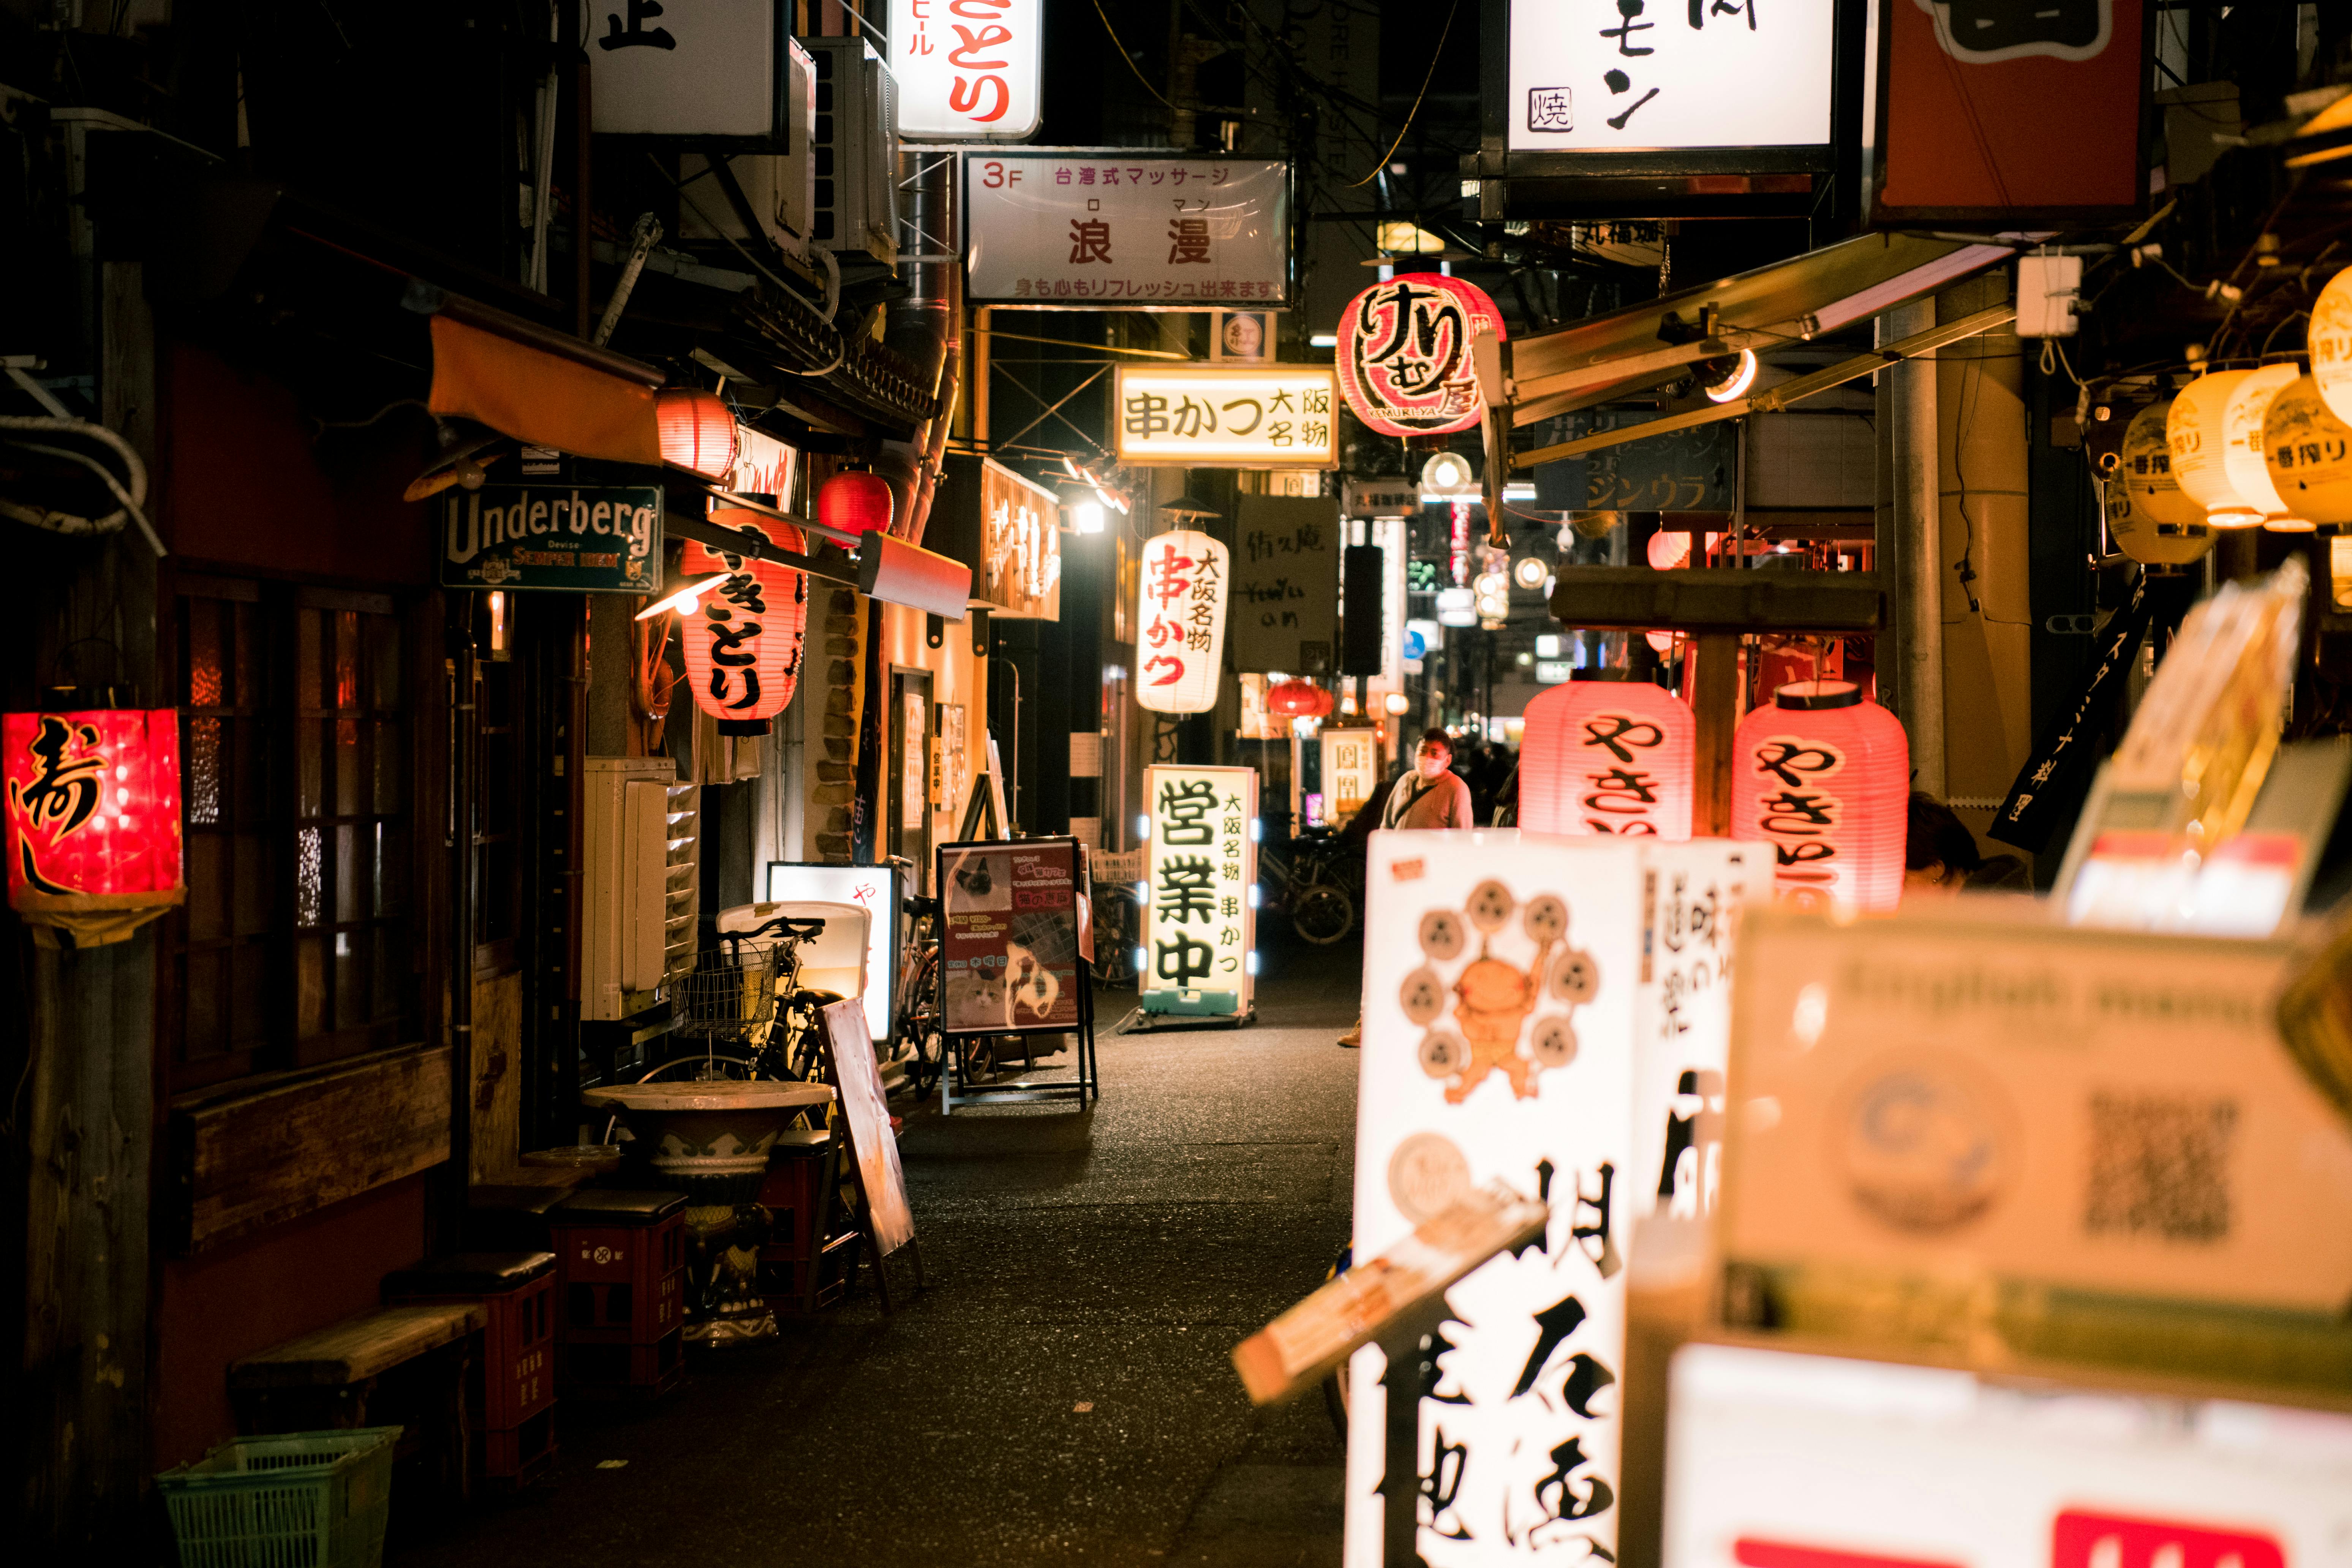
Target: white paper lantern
(2151, 521)
(2241, 457)
(1180, 616)
(2197, 433)
(2330, 341)
(2309, 453)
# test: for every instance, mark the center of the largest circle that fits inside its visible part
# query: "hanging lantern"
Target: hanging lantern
(2195, 432)
(1668, 548)
(855, 501)
(2152, 521)
(1297, 699)
(2308, 451)
(697, 430)
(2330, 341)
(2241, 457)
(1824, 776)
(743, 638)
(1608, 752)
(93, 821)
(1181, 613)
(1403, 354)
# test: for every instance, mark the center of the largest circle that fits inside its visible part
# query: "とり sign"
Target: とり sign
(1270, 416)
(967, 70)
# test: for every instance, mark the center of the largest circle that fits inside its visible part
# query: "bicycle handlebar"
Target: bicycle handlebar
(791, 928)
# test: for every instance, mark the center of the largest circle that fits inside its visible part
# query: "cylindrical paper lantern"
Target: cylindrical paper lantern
(93, 803)
(1608, 752)
(855, 501)
(2309, 453)
(2329, 340)
(1403, 354)
(2152, 521)
(697, 431)
(1824, 776)
(2241, 456)
(2197, 433)
(743, 639)
(1179, 615)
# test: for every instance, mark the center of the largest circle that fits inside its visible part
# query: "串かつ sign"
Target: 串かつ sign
(1181, 617)
(1272, 416)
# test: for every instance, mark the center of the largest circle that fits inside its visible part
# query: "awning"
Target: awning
(538, 386)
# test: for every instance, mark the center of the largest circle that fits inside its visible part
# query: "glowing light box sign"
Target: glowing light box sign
(1352, 769)
(1199, 927)
(1120, 228)
(1403, 354)
(1269, 416)
(1807, 1461)
(966, 69)
(93, 818)
(1627, 78)
(1181, 613)
(743, 641)
(874, 889)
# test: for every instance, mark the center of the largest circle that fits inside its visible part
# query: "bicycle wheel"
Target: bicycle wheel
(1323, 914)
(919, 1027)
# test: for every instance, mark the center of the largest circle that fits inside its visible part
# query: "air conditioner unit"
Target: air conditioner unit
(782, 188)
(643, 892)
(856, 140)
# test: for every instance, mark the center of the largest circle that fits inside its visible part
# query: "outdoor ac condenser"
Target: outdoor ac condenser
(857, 142)
(642, 894)
(781, 187)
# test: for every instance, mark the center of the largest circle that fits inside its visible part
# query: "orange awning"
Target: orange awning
(541, 398)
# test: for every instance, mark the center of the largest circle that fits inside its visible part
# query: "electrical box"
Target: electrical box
(857, 142)
(643, 892)
(2048, 289)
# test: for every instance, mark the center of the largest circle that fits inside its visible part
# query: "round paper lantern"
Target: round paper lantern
(1824, 776)
(1403, 354)
(2309, 453)
(2241, 457)
(1668, 549)
(2330, 342)
(697, 431)
(2152, 521)
(1608, 753)
(2195, 432)
(1295, 699)
(743, 639)
(855, 501)
(1179, 613)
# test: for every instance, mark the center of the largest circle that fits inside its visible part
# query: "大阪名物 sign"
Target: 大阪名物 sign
(1268, 416)
(1179, 613)
(1128, 230)
(569, 537)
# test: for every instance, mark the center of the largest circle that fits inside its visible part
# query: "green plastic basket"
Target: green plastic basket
(293, 1499)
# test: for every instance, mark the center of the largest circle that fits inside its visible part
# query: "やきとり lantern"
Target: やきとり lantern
(1824, 775)
(742, 640)
(1608, 752)
(1180, 615)
(93, 821)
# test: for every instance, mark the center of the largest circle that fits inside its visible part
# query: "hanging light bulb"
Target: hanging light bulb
(1725, 379)
(2195, 432)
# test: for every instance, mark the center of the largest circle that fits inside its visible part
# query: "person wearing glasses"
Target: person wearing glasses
(1431, 797)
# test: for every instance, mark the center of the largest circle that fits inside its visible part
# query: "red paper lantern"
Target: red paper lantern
(697, 431)
(1403, 355)
(1608, 752)
(855, 501)
(1824, 776)
(93, 804)
(1296, 699)
(743, 638)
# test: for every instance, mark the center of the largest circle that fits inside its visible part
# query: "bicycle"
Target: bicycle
(747, 991)
(1313, 885)
(918, 1023)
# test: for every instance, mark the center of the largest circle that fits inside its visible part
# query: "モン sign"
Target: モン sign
(1201, 862)
(1405, 354)
(743, 642)
(966, 69)
(1600, 79)
(93, 818)
(1277, 416)
(1179, 612)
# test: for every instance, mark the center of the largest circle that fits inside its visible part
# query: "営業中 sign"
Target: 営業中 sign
(1285, 586)
(1715, 73)
(966, 69)
(1403, 355)
(1198, 927)
(1009, 955)
(568, 537)
(1180, 617)
(1123, 229)
(1271, 417)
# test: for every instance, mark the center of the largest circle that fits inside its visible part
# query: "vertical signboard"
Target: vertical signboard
(1200, 926)
(1010, 952)
(1499, 1003)
(1123, 229)
(1351, 770)
(966, 70)
(1286, 585)
(1179, 612)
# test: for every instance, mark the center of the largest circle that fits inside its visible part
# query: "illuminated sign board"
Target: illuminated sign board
(966, 69)
(1266, 417)
(1123, 229)
(1200, 865)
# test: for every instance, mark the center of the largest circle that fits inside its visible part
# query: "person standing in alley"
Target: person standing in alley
(1431, 797)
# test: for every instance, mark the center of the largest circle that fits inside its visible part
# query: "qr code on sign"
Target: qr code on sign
(2160, 1166)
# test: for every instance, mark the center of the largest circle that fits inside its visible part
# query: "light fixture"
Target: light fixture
(854, 501)
(684, 598)
(1548, 644)
(1491, 584)
(2195, 432)
(498, 609)
(1447, 476)
(2242, 455)
(1087, 517)
(1667, 549)
(1186, 507)
(1396, 703)
(1323, 340)
(695, 430)
(1725, 379)
(1529, 572)
(1456, 607)
(1519, 490)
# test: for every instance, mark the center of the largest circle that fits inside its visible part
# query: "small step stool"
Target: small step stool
(512, 1387)
(404, 1365)
(620, 1291)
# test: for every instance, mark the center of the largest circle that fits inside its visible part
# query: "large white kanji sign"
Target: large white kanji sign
(1180, 618)
(1199, 865)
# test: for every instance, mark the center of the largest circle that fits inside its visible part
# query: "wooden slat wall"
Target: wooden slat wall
(263, 1153)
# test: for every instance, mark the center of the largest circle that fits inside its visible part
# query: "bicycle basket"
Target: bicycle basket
(731, 992)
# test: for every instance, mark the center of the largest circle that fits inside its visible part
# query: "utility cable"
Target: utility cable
(1414, 112)
(1131, 58)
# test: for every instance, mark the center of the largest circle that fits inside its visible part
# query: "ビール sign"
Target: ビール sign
(1600, 78)
(1270, 416)
(1403, 355)
(571, 537)
(1117, 228)
(1179, 615)
(1200, 864)
(1010, 950)
(966, 69)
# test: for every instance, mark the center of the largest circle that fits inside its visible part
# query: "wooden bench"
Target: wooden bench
(403, 1364)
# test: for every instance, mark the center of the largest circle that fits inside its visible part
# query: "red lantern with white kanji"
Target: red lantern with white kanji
(93, 818)
(1608, 752)
(1824, 775)
(1180, 621)
(1403, 354)
(743, 638)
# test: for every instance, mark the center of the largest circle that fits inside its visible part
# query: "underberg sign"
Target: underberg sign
(577, 538)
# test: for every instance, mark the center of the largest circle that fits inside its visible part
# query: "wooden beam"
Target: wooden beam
(1715, 700)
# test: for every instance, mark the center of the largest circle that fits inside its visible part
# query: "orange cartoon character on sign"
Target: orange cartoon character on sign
(1496, 994)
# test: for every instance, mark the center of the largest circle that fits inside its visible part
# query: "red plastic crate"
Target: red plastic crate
(620, 1267)
(512, 1382)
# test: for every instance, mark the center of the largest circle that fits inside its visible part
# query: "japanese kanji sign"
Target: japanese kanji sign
(708, 69)
(92, 803)
(1019, 572)
(1200, 926)
(1286, 589)
(966, 69)
(573, 538)
(1403, 355)
(1269, 416)
(1591, 76)
(1180, 618)
(1351, 770)
(1121, 229)
(1499, 1004)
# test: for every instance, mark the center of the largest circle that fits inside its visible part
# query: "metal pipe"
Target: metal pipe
(1918, 608)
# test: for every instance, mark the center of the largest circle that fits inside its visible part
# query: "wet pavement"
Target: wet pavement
(1060, 1393)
